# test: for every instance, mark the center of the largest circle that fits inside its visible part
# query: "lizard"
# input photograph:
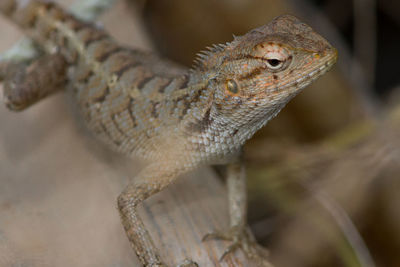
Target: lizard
(177, 119)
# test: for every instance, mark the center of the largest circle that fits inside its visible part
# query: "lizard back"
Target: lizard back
(121, 91)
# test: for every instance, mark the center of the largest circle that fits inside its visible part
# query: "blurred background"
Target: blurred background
(324, 176)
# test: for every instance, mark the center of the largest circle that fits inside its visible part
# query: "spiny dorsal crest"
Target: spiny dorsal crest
(205, 58)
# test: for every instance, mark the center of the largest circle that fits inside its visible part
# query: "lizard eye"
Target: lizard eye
(232, 86)
(275, 56)
(274, 63)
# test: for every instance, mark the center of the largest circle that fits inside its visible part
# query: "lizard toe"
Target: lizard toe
(188, 263)
(241, 238)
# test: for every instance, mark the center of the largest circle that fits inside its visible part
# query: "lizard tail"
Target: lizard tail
(37, 18)
(7, 7)
(53, 28)
(23, 12)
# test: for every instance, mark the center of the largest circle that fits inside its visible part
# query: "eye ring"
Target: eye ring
(232, 86)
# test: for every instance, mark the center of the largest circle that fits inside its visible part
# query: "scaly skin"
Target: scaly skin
(175, 118)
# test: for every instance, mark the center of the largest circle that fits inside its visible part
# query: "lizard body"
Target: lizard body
(174, 117)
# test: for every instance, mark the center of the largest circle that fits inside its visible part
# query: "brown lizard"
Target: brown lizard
(175, 118)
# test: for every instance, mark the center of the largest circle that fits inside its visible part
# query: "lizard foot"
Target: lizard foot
(241, 238)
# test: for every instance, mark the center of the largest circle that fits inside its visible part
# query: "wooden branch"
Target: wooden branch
(180, 216)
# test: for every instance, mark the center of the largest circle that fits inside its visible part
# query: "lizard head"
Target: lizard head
(256, 74)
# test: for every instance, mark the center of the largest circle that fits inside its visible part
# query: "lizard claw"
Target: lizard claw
(185, 263)
(230, 249)
(241, 238)
(188, 263)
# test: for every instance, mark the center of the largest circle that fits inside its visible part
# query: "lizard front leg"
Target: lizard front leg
(150, 181)
(239, 233)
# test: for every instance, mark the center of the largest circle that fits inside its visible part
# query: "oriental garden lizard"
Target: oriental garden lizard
(175, 118)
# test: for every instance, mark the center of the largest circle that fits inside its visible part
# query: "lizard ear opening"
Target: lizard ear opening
(232, 87)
